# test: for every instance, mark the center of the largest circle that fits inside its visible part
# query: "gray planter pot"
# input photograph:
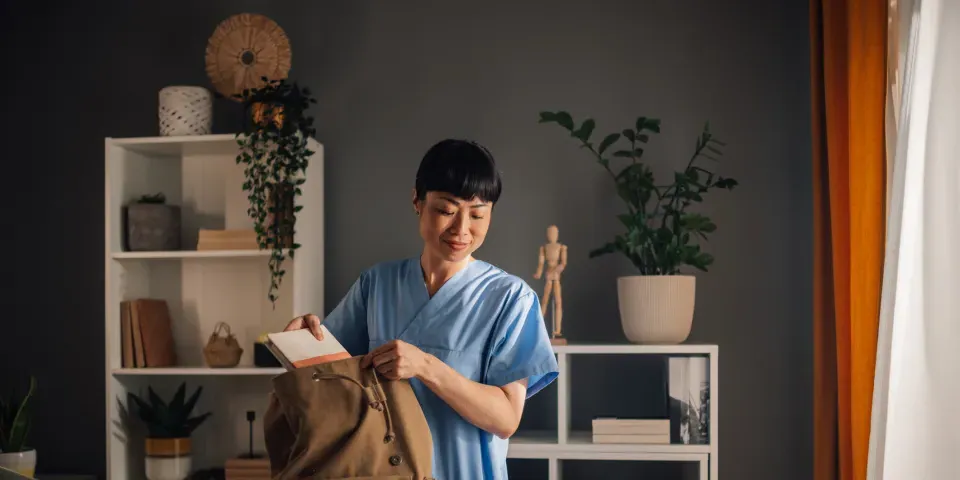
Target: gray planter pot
(152, 227)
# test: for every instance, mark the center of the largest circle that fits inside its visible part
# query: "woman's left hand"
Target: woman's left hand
(396, 360)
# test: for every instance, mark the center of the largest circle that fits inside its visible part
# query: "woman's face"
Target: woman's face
(452, 228)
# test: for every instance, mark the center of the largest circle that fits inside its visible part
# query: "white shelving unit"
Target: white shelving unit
(566, 444)
(202, 288)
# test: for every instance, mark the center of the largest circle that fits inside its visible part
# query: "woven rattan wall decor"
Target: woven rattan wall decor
(243, 49)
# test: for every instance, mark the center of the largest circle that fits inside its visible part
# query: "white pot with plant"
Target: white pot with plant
(656, 305)
(169, 429)
(15, 420)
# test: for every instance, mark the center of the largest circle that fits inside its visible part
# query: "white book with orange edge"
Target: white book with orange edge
(299, 348)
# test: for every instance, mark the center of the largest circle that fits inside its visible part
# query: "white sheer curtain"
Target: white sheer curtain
(915, 429)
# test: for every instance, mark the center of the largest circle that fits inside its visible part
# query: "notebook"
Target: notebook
(299, 348)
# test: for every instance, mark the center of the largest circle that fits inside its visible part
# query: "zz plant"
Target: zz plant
(661, 234)
(275, 155)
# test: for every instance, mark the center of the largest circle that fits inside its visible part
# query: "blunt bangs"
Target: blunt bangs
(460, 168)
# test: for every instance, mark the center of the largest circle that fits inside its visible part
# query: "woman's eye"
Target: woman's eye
(444, 212)
(477, 217)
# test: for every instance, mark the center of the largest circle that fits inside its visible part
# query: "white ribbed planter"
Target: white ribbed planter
(185, 110)
(656, 308)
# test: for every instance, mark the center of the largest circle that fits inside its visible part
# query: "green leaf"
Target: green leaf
(177, 403)
(192, 401)
(605, 249)
(607, 141)
(629, 135)
(547, 117)
(651, 124)
(623, 153)
(585, 130)
(641, 123)
(565, 120)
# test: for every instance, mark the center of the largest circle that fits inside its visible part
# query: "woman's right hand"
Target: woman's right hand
(308, 321)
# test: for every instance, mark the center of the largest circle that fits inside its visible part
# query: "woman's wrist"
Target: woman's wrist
(428, 371)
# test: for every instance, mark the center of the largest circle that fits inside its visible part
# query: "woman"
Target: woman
(469, 337)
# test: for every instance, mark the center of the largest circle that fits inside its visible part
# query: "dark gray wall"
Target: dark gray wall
(392, 78)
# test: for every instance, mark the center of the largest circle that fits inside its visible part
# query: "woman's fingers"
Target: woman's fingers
(385, 357)
(369, 357)
(308, 321)
(313, 323)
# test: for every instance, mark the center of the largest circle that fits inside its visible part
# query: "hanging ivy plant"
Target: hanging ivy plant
(275, 155)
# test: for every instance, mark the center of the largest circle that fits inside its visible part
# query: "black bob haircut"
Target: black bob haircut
(461, 168)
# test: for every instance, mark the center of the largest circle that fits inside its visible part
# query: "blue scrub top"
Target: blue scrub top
(483, 322)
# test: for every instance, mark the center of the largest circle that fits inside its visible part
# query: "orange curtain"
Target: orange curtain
(848, 78)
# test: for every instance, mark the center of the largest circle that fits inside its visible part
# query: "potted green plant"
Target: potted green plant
(169, 429)
(275, 152)
(661, 234)
(152, 225)
(15, 422)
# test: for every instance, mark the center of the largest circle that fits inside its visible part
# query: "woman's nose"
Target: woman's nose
(461, 223)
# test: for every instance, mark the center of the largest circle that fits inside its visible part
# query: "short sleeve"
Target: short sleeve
(348, 321)
(522, 348)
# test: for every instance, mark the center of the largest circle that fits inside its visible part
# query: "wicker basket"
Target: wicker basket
(185, 111)
(222, 351)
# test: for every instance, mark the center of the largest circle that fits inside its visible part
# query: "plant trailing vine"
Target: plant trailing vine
(275, 155)
(660, 232)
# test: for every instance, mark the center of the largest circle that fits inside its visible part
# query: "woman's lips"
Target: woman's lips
(456, 245)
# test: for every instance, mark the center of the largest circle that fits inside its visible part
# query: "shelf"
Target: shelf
(545, 445)
(200, 175)
(185, 254)
(176, 371)
(177, 145)
(628, 348)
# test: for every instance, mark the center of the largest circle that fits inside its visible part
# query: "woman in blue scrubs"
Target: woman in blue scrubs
(469, 336)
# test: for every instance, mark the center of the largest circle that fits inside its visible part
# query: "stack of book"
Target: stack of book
(631, 430)
(227, 240)
(146, 334)
(241, 468)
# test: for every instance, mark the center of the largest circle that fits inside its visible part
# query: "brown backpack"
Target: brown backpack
(337, 420)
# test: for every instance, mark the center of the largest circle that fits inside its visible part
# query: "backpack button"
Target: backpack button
(395, 460)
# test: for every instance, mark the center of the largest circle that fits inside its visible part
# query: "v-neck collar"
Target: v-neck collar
(417, 268)
(430, 305)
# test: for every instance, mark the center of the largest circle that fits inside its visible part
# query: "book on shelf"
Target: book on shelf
(299, 348)
(631, 430)
(146, 334)
(641, 439)
(233, 239)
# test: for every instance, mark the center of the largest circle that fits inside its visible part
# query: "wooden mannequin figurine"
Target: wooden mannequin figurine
(554, 254)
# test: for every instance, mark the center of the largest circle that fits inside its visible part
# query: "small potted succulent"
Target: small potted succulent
(15, 422)
(169, 429)
(152, 225)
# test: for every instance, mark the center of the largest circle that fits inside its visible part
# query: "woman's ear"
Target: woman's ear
(416, 202)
